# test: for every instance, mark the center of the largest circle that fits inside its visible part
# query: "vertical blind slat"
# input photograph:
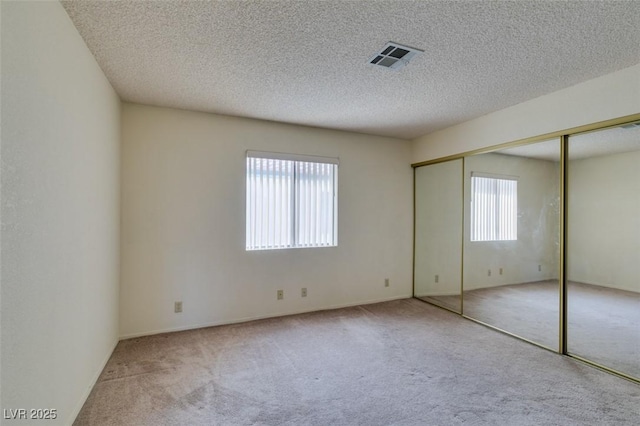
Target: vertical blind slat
(289, 204)
(493, 209)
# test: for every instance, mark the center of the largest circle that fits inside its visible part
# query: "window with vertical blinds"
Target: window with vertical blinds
(494, 208)
(291, 201)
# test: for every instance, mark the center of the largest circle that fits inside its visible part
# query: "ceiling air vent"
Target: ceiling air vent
(394, 56)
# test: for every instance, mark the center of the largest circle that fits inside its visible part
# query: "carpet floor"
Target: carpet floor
(603, 323)
(401, 362)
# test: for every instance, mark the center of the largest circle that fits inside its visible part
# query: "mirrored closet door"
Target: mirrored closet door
(603, 248)
(512, 240)
(540, 240)
(438, 234)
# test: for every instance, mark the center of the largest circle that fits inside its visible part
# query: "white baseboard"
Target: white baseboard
(94, 380)
(253, 318)
(436, 294)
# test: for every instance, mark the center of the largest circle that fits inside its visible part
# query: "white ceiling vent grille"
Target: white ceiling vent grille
(394, 56)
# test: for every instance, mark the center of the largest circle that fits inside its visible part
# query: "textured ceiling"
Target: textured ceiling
(305, 62)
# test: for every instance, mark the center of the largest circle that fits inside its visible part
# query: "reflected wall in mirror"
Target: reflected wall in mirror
(512, 240)
(603, 248)
(438, 233)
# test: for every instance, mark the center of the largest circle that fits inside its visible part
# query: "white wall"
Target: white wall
(438, 244)
(183, 222)
(611, 96)
(60, 212)
(538, 224)
(603, 246)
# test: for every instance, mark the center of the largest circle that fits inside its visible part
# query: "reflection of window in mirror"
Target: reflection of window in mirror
(494, 208)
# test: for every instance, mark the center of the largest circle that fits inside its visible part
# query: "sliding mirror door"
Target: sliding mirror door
(603, 248)
(512, 240)
(438, 234)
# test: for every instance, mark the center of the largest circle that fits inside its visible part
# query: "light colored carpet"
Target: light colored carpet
(529, 310)
(403, 362)
(603, 323)
(604, 326)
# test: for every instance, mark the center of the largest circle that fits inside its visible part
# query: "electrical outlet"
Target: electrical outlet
(303, 292)
(280, 294)
(500, 271)
(386, 282)
(437, 278)
(489, 273)
(177, 307)
(539, 268)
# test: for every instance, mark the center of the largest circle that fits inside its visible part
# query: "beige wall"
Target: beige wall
(183, 222)
(611, 96)
(603, 246)
(538, 224)
(60, 212)
(438, 234)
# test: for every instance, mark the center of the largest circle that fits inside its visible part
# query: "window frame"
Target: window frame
(298, 162)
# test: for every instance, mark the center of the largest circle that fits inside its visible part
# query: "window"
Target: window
(291, 201)
(494, 208)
